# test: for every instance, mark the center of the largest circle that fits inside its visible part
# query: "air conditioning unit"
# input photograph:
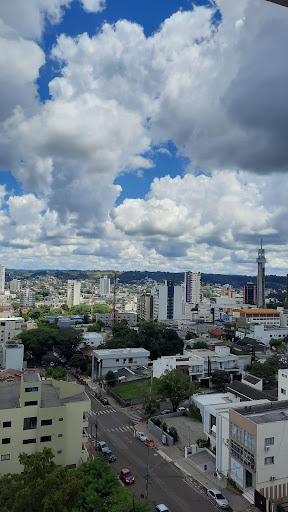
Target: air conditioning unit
(266, 448)
(272, 478)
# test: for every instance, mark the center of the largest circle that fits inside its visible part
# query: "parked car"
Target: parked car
(149, 442)
(182, 409)
(126, 476)
(162, 508)
(98, 395)
(141, 436)
(166, 411)
(109, 455)
(102, 446)
(103, 400)
(217, 497)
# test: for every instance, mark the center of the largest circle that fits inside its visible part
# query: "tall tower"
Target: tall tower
(2, 278)
(192, 287)
(261, 260)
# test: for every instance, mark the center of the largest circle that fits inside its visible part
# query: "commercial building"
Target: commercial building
(11, 355)
(27, 298)
(104, 361)
(104, 286)
(73, 292)
(107, 318)
(250, 293)
(192, 287)
(259, 316)
(264, 333)
(145, 306)
(35, 414)
(2, 278)
(168, 302)
(261, 260)
(10, 327)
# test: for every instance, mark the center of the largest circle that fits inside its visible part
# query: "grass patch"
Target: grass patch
(133, 389)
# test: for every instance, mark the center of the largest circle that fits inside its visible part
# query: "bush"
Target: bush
(173, 433)
(195, 413)
(156, 422)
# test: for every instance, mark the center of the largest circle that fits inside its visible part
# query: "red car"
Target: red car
(126, 476)
(150, 442)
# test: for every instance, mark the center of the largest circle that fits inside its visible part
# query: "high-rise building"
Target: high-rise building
(250, 293)
(287, 287)
(192, 286)
(15, 285)
(73, 292)
(145, 306)
(27, 298)
(168, 302)
(261, 260)
(2, 278)
(104, 286)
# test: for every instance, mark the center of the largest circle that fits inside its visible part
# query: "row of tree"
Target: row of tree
(45, 487)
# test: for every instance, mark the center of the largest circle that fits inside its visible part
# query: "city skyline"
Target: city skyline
(142, 136)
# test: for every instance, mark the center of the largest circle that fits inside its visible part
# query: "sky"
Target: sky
(143, 135)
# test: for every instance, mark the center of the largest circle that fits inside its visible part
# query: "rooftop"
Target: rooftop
(257, 311)
(31, 377)
(242, 390)
(261, 413)
(114, 352)
(252, 379)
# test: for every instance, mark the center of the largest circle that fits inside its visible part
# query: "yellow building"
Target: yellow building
(35, 414)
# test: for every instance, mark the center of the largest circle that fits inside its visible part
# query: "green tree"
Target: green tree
(275, 344)
(220, 378)
(15, 305)
(175, 386)
(86, 318)
(39, 341)
(42, 486)
(159, 340)
(78, 361)
(265, 371)
(200, 344)
(101, 308)
(67, 341)
(94, 328)
(111, 378)
(190, 335)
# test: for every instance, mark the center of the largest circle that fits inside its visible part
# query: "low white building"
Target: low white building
(93, 339)
(104, 361)
(264, 333)
(10, 327)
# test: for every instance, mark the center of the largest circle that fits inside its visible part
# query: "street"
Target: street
(166, 483)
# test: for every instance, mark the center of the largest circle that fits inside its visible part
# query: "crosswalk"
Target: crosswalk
(123, 428)
(102, 411)
(135, 416)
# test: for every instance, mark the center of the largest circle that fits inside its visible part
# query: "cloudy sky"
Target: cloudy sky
(143, 135)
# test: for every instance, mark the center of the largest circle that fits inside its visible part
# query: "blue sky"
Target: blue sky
(143, 135)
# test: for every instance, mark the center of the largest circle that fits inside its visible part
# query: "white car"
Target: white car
(217, 497)
(141, 436)
(182, 409)
(162, 508)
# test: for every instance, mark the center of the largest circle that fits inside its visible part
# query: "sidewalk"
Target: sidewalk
(203, 480)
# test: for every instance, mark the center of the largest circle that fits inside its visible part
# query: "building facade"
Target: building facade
(168, 302)
(27, 298)
(35, 414)
(259, 316)
(261, 260)
(15, 285)
(104, 361)
(145, 306)
(104, 286)
(2, 278)
(73, 292)
(250, 293)
(192, 287)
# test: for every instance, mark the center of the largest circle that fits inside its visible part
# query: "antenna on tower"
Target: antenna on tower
(261, 243)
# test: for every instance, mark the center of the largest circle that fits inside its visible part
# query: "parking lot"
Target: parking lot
(189, 430)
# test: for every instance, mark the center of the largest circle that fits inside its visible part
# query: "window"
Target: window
(30, 390)
(283, 391)
(249, 441)
(29, 423)
(124, 361)
(59, 451)
(46, 422)
(236, 433)
(32, 402)
(29, 441)
(283, 375)
(5, 457)
(117, 360)
(130, 359)
(6, 440)
(60, 435)
(45, 439)
(269, 460)
(269, 441)
(60, 419)
(6, 424)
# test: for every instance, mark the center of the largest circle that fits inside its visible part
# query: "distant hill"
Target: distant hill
(137, 277)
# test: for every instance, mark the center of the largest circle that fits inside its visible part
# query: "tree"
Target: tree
(159, 340)
(59, 373)
(200, 344)
(220, 378)
(41, 486)
(78, 361)
(175, 386)
(15, 305)
(275, 344)
(86, 318)
(266, 372)
(38, 341)
(67, 341)
(190, 335)
(111, 378)
(94, 327)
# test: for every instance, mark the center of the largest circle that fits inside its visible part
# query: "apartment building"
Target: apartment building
(168, 302)
(259, 316)
(104, 361)
(35, 414)
(73, 292)
(27, 298)
(145, 306)
(10, 327)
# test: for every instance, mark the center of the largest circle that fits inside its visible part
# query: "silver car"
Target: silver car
(217, 497)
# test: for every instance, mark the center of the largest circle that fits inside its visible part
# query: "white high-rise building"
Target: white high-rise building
(2, 278)
(192, 287)
(168, 302)
(104, 287)
(27, 298)
(73, 292)
(15, 285)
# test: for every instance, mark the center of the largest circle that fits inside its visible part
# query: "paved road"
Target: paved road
(167, 484)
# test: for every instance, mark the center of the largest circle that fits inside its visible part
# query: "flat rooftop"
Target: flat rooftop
(31, 377)
(114, 352)
(270, 413)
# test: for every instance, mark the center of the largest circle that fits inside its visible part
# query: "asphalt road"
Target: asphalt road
(166, 483)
